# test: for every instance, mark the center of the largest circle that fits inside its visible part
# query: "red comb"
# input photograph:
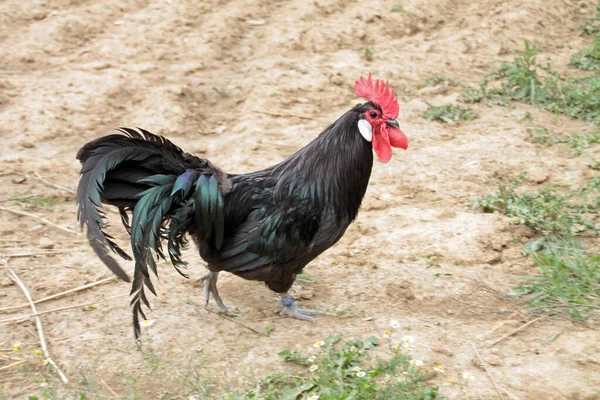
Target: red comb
(380, 94)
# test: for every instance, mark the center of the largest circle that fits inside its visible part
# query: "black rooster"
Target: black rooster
(264, 226)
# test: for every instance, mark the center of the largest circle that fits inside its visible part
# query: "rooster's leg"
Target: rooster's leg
(210, 286)
(290, 310)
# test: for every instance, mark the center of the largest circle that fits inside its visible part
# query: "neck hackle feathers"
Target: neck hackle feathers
(380, 94)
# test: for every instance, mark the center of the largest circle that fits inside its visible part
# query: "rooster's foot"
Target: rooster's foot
(290, 310)
(210, 286)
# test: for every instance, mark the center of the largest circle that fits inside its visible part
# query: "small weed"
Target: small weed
(368, 54)
(304, 277)
(588, 59)
(343, 371)
(37, 200)
(527, 80)
(193, 377)
(547, 211)
(432, 262)
(540, 135)
(526, 116)
(580, 142)
(397, 8)
(221, 91)
(437, 79)
(449, 113)
(592, 26)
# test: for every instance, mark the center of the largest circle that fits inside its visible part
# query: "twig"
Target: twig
(517, 330)
(509, 394)
(66, 338)
(57, 295)
(53, 185)
(39, 253)
(230, 319)
(109, 388)
(486, 371)
(44, 220)
(501, 324)
(38, 323)
(475, 305)
(276, 114)
(60, 309)
(12, 365)
(18, 198)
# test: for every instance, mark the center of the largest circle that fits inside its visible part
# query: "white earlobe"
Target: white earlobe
(366, 130)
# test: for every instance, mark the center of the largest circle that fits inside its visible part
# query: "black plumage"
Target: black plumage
(266, 225)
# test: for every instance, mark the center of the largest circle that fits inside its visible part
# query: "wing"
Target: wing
(271, 234)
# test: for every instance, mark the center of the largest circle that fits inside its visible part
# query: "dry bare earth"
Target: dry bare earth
(73, 70)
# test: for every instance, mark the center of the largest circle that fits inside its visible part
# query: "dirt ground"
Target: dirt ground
(73, 70)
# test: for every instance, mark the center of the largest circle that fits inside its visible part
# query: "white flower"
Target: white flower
(313, 368)
(388, 379)
(310, 360)
(313, 397)
(398, 346)
(408, 347)
(387, 334)
(467, 376)
(352, 348)
(320, 343)
(361, 374)
(356, 369)
(44, 384)
(408, 339)
(416, 363)
(17, 345)
(394, 324)
(146, 323)
(439, 368)
(45, 362)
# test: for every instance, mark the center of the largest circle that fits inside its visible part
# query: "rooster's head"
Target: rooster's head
(378, 123)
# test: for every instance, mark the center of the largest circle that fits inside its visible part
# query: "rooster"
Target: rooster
(265, 225)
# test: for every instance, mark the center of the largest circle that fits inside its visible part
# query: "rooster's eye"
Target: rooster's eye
(373, 114)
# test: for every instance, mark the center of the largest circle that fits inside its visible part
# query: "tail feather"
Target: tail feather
(167, 192)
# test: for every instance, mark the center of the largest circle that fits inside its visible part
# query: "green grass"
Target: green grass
(37, 200)
(348, 371)
(569, 281)
(578, 143)
(437, 79)
(331, 369)
(221, 91)
(368, 54)
(547, 211)
(592, 26)
(527, 80)
(588, 59)
(449, 113)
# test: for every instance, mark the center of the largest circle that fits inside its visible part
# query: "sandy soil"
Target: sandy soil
(74, 70)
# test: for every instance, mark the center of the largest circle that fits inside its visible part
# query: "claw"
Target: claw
(210, 286)
(293, 312)
(290, 310)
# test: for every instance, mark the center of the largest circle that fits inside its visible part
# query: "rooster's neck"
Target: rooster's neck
(333, 170)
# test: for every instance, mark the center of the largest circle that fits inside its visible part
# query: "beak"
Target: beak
(393, 123)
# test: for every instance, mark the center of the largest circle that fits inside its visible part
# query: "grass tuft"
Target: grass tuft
(527, 80)
(569, 281)
(449, 113)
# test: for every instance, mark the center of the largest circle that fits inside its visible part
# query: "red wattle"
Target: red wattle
(381, 144)
(397, 138)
